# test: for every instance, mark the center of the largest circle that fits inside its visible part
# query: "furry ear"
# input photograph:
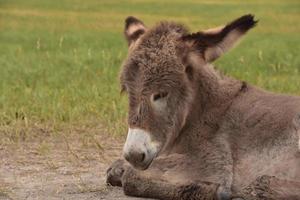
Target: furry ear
(215, 42)
(134, 28)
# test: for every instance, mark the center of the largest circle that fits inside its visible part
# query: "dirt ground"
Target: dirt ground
(49, 166)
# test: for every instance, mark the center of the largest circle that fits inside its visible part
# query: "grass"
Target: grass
(59, 59)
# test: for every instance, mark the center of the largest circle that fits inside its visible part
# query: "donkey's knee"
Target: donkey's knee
(115, 172)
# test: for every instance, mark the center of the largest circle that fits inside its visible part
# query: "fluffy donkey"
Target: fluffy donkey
(195, 134)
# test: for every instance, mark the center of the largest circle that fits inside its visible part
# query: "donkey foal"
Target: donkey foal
(195, 134)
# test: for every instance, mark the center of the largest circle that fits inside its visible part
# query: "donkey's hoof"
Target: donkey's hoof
(115, 172)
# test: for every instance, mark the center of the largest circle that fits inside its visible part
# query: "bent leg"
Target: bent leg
(175, 176)
(139, 185)
(152, 183)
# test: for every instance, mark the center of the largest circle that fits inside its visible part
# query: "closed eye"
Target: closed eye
(159, 96)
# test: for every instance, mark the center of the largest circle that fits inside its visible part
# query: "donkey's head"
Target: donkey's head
(160, 77)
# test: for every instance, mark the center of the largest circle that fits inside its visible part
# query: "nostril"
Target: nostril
(143, 156)
(139, 157)
(135, 157)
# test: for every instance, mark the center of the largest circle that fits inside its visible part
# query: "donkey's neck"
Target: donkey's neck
(208, 84)
(213, 96)
(214, 93)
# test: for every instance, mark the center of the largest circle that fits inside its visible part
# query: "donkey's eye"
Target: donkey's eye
(159, 96)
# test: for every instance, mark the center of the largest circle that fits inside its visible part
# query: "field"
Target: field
(59, 65)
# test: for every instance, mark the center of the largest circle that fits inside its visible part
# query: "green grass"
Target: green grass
(60, 59)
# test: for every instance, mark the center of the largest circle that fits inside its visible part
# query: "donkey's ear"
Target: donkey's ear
(134, 28)
(215, 42)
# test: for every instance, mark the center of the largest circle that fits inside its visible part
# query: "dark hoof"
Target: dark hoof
(114, 173)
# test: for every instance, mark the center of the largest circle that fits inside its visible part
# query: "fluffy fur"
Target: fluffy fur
(218, 134)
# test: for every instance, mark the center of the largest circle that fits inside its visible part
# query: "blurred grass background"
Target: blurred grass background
(60, 59)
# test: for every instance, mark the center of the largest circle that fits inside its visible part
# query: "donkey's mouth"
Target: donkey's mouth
(142, 166)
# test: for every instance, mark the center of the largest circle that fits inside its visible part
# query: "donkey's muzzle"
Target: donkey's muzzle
(139, 149)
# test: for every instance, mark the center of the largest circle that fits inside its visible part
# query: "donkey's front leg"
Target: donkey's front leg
(151, 184)
(139, 184)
